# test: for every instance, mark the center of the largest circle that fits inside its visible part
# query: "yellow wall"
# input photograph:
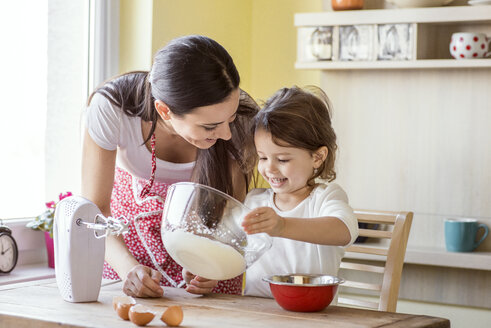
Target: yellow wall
(227, 22)
(135, 40)
(148, 25)
(258, 34)
(274, 40)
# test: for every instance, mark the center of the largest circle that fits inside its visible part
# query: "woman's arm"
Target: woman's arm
(322, 230)
(97, 174)
(97, 183)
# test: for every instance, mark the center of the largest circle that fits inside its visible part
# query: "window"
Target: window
(23, 63)
(52, 50)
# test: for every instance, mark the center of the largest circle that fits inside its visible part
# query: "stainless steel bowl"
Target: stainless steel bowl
(304, 280)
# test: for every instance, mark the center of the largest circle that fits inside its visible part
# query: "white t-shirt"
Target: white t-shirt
(288, 256)
(112, 129)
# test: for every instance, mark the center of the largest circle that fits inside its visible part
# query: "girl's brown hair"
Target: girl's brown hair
(301, 118)
(190, 72)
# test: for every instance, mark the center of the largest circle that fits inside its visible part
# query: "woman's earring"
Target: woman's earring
(315, 171)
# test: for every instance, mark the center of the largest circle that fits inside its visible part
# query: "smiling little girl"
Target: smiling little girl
(307, 214)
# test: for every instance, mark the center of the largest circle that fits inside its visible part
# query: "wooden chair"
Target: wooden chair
(386, 242)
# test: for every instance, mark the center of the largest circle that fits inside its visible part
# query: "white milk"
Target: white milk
(202, 256)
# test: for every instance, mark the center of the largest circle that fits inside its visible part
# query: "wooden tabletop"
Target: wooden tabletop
(38, 304)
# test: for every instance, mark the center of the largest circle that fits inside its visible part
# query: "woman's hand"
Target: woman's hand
(143, 281)
(196, 284)
(264, 219)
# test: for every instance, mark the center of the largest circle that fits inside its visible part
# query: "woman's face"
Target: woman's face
(205, 125)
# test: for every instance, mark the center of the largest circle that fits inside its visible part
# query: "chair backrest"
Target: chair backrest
(386, 240)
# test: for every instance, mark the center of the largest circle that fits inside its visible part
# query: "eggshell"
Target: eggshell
(122, 305)
(172, 316)
(140, 315)
(123, 310)
(122, 299)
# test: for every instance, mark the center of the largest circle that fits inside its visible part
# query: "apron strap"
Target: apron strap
(149, 184)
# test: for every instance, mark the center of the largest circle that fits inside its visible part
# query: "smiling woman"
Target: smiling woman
(184, 120)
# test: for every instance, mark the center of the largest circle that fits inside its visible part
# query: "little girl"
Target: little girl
(309, 217)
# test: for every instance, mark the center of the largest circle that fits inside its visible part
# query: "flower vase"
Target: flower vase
(50, 249)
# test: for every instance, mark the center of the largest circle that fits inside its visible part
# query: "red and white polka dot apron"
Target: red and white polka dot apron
(142, 201)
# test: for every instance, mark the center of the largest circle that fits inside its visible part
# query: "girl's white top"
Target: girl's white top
(112, 129)
(288, 256)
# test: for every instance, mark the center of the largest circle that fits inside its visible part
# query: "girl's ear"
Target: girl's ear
(162, 109)
(320, 156)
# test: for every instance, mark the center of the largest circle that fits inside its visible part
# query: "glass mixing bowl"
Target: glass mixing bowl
(202, 232)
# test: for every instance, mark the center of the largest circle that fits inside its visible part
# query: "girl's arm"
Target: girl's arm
(322, 230)
(97, 183)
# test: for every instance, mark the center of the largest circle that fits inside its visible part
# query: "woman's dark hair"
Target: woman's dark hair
(190, 72)
(301, 118)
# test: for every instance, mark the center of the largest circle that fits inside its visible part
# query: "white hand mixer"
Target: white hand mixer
(78, 231)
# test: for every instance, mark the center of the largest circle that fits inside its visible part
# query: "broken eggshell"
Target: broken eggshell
(172, 316)
(122, 305)
(140, 315)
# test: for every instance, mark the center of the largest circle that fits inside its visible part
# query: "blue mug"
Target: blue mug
(460, 234)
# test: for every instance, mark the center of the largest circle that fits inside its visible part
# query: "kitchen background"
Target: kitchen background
(415, 140)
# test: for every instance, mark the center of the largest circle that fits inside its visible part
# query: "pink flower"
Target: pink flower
(50, 204)
(61, 196)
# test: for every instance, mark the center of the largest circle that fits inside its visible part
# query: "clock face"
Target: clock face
(8, 253)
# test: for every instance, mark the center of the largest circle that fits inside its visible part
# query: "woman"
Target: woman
(185, 120)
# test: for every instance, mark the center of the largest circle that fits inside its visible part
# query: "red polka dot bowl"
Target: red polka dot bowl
(470, 45)
(303, 292)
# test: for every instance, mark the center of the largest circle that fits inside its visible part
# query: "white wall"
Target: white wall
(415, 140)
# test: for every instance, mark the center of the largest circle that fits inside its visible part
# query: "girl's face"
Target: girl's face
(287, 169)
(205, 125)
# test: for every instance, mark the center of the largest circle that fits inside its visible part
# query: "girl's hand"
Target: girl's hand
(143, 281)
(264, 219)
(196, 284)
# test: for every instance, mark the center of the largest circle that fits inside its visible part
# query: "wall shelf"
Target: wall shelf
(429, 44)
(438, 257)
(409, 64)
(403, 15)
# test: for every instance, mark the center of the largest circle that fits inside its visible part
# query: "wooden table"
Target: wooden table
(38, 304)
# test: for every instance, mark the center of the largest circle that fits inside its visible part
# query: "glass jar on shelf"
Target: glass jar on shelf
(321, 43)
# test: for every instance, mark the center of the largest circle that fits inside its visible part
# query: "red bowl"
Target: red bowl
(303, 292)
